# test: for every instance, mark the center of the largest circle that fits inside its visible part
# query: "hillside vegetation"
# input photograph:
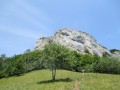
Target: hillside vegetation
(55, 56)
(65, 80)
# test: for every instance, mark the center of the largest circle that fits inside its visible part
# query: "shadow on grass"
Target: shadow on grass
(57, 80)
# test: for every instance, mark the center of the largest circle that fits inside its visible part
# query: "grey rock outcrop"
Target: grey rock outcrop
(75, 40)
(115, 53)
(41, 42)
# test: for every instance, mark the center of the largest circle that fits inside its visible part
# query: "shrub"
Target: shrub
(88, 68)
(107, 65)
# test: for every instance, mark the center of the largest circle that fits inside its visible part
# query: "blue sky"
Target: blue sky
(22, 22)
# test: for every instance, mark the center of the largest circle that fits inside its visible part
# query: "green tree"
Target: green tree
(107, 65)
(3, 57)
(54, 57)
(27, 59)
(3, 60)
(15, 66)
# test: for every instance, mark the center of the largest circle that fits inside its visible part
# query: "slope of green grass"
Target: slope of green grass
(65, 80)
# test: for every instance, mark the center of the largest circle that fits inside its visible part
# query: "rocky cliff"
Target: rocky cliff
(75, 40)
(115, 53)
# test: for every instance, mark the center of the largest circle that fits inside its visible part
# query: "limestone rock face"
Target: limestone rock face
(116, 54)
(75, 40)
(41, 42)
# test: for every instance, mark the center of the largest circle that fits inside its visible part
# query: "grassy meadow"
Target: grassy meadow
(65, 80)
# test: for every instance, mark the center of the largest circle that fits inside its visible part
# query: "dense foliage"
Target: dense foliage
(54, 57)
(107, 65)
(19, 64)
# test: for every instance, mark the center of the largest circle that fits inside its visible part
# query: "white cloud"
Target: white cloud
(31, 14)
(20, 31)
(24, 11)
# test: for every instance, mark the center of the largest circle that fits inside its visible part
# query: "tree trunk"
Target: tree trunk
(53, 72)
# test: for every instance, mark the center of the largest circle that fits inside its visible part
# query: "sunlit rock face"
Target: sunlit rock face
(76, 41)
(116, 53)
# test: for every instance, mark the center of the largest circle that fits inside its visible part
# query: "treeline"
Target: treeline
(58, 57)
(19, 64)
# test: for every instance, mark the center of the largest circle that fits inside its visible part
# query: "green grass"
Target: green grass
(65, 80)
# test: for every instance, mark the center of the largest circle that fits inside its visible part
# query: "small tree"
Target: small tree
(53, 56)
(27, 59)
(3, 57)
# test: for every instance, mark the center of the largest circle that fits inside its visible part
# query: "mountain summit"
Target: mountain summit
(76, 41)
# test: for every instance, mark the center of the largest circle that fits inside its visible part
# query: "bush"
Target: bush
(89, 68)
(107, 65)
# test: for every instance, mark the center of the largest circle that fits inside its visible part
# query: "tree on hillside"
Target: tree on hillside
(54, 55)
(3, 57)
(1, 61)
(14, 66)
(27, 59)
